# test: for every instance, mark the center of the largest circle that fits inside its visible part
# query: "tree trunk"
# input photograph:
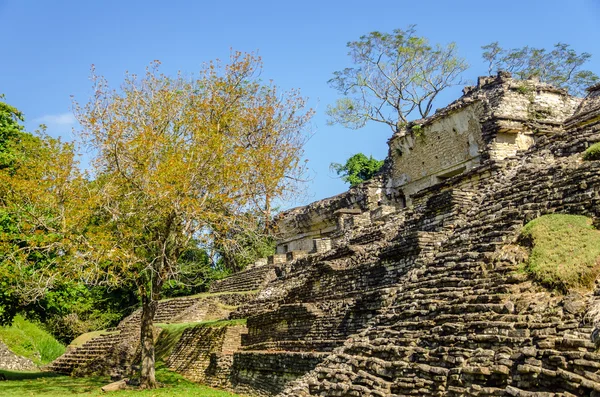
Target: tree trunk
(147, 375)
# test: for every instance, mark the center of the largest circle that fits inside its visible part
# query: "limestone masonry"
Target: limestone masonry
(406, 285)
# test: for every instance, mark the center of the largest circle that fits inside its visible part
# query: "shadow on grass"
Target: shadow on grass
(27, 384)
(40, 383)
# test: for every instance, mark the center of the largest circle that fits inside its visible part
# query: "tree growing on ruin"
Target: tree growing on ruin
(357, 169)
(562, 67)
(178, 160)
(395, 76)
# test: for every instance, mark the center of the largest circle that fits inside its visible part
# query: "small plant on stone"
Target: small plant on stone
(592, 153)
(418, 131)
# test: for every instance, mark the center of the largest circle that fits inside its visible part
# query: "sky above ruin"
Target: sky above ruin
(48, 47)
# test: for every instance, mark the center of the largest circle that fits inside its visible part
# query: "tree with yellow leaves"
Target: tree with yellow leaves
(178, 159)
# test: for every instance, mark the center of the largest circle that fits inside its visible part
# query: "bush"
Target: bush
(565, 251)
(592, 153)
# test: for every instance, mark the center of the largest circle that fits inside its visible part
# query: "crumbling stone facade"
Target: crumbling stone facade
(496, 119)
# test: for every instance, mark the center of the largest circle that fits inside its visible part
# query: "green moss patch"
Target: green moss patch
(592, 153)
(565, 251)
(29, 340)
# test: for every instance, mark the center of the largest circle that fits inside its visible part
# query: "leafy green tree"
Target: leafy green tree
(561, 67)
(395, 75)
(10, 130)
(357, 169)
(37, 174)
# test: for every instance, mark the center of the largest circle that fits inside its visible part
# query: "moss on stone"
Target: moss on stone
(565, 251)
(592, 153)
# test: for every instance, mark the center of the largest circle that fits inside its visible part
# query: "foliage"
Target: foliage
(592, 153)
(10, 130)
(26, 384)
(561, 67)
(38, 194)
(28, 339)
(179, 160)
(395, 74)
(243, 245)
(70, 309)
(40, 214)
(357, 169)
(196, 273)
(565, 251)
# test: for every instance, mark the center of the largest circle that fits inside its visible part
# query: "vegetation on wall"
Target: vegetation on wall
(565, 251)
(592, 153)
(395, 76)
(357, 169)
(561, 67)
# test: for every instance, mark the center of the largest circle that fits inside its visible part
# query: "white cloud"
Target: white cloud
(57, 120)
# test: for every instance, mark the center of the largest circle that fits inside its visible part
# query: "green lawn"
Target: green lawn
(24, 384)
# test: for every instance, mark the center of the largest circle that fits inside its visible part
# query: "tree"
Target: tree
(178, 159)
(10, 130)
(396, 74)
(561, 67)
(357, 169)
(39, 204)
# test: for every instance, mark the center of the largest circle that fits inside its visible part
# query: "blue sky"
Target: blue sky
(48, 47)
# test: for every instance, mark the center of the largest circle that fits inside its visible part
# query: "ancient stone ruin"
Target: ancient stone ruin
(406, 285)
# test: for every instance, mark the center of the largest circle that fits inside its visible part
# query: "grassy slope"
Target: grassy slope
(20, 384)
(27, 339)
(565, 251)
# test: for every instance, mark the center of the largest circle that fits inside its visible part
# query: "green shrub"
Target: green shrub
(592, 153)
(565, 251)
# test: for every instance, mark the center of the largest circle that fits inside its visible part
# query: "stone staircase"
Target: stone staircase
(117, 350)
(247, 280)
(82, 355)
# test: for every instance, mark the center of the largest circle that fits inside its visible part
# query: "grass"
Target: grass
(27, 384)
(592, 153)
(83, 338)
(27, 339)
(211, 323)
(565, 251)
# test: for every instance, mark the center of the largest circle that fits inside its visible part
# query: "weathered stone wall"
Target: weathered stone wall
(495, 121)
(205, 354)
(445, 147)
(299, 226)
(267, 373)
